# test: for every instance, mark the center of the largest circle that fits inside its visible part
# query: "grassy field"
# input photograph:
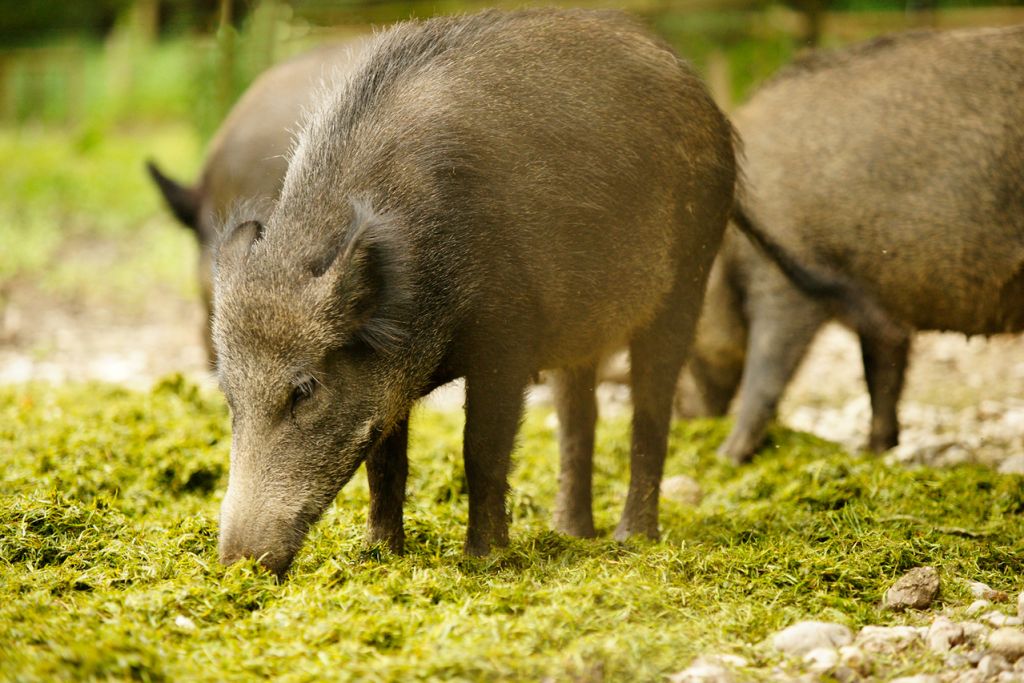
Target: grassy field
(108, 561)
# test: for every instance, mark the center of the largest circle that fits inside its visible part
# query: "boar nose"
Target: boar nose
(232, 549)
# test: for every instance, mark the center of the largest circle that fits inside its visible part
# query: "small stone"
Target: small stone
(986, 592)
(682, 489)
(974, 656)
(978, 606)
(1012, 465)
(887, 639)
(991, 665)
(184, 623)
(1008, 642)
(974, 632)
(702, 671)
(955, 660)
(998, 619)
(853, 657)
(1010, 677)
(943, 635)
(734, 661)
(969, 676)
(845, 674)
(919, 678)
(915, 590)
(821, 659)
(800, 638)
(1019, 665)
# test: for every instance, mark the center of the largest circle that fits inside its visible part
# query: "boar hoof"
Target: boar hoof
(879, 443)
(626, 531)
(394, 540)
(580, 526)
(736, 450)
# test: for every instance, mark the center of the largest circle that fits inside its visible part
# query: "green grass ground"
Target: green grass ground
(108, 568)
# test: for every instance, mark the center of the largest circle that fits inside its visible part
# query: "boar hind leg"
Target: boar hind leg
(577, 416)
(656, 359)
(780, 333)
(494, 405)
(387, 468)
(885, 365)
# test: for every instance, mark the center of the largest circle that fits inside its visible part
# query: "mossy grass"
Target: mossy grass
(108, 567)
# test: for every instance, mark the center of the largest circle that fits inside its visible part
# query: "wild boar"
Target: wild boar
(247, 157)
(484, 197)
(898, 163)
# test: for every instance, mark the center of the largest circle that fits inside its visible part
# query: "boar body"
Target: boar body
(899, 163)
(485, 197)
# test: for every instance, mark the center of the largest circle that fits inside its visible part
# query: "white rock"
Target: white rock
(1019, 665)
(992, 665)
(887, 639)
(1010, 677)
(999, 619)
(955, 660)
(702, 671)
(184, 623)
(821, 659)
(734, 661)
(974, 632)
(943, 635)
(800, 638)
(986, 592)
(1008, 642)
(916, 589)
(969, 676)
(1012, 465)
(920, 678)
(844, 674)
(978, 606)
(853, 657)
(682, 489)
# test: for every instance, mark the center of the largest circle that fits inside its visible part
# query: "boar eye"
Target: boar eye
(302, 391)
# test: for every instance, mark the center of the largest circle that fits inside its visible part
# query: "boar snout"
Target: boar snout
(255, 531)
(234, 548)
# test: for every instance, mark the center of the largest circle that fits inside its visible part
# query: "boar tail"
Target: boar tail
(860, 309)
(182, 200)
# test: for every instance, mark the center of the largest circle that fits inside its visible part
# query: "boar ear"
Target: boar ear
(183, 201)
(367, 277)
(235, 244)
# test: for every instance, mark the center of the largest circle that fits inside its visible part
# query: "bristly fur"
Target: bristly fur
(383, 251)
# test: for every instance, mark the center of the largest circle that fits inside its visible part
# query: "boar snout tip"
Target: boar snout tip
(276, 563)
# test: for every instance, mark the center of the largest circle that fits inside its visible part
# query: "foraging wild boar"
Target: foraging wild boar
(899, 163)
(484, 197)
(247, 158)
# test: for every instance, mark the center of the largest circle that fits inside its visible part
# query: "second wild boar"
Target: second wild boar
(898, 163)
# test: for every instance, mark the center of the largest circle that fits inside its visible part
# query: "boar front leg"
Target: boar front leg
(885, 365)
(494, 405)
(577, 417)
(387, 468)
